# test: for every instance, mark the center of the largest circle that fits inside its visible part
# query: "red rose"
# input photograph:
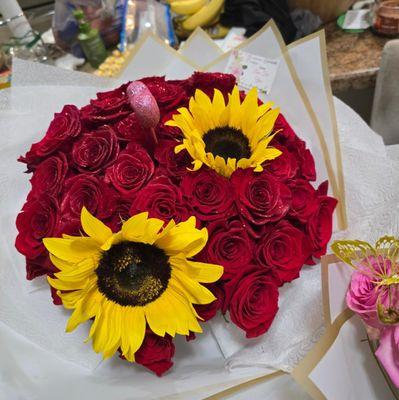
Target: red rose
(165, 132)
(88, 191)
(208, 311)
(162, 199)
(63, 128)
(209, 81)
(38, 219)
(131, 171)
(229, 246)
(49, 176)
(167, 95)
(283, 250)
(129, 129)
(120, 214)
(303, 199)
(285, 134)
(260, 197)
(39, 266)
(322, 190)
(319, 226)
(209, 194)
(94, 151)
(253, 301)
(287, 137)
(156, 353)
(107, 108)
(305, 160)
(56, 299)
(172, 164)
(284, 167)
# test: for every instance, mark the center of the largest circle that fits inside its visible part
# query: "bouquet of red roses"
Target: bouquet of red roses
(162, 202)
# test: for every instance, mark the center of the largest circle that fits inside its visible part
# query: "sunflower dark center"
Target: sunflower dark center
(227, 142)
(133, 274)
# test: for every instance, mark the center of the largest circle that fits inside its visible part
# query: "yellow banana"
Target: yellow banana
(187, 7)
(206, 14)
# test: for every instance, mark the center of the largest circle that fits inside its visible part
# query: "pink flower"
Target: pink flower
(388, 352)
(363, 293)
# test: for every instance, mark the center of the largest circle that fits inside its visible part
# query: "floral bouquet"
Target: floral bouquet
(162, 202)
(373, 294)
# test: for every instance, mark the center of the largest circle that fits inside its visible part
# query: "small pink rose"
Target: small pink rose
(364, 293)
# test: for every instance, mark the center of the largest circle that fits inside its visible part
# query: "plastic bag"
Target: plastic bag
(105, 15)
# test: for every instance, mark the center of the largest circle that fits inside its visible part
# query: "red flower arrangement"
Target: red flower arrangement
(263, 226)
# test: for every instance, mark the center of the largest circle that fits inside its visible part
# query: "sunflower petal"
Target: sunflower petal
(112, 241)
(194, 291)
(156, 314)
(218, 107)
(65, 285)
(235, 114)
(86, 309)
(114, 331)
(132, 229)
(94, 227)
(137, 326)
(180, 316)
(72, 250)
(183, 238)
(199, 271)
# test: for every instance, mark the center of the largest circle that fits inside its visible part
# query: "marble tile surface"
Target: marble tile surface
(353, 58)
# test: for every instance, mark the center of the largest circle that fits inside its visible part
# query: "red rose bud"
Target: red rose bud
(211, 195)
(228, 245)
(253, 301)
(156, 353)
(304, 200)
(319, 226)
(260, 197)
(282, 250)
(94, 151)
(131, 171)
(305, 160)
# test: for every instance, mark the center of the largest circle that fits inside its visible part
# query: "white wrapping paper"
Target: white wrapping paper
(200, 366)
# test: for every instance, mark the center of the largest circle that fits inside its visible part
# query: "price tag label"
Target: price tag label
(251, 70)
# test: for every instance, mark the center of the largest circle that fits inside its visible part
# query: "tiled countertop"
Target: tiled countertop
(353, 58)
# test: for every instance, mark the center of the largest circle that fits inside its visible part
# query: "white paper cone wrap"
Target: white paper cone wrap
(26, 308)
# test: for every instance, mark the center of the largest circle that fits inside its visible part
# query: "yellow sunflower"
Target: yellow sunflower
(141, 274)
(227, 137)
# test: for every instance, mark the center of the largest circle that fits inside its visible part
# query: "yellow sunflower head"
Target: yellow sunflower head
(227, 136)
(137, 276)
